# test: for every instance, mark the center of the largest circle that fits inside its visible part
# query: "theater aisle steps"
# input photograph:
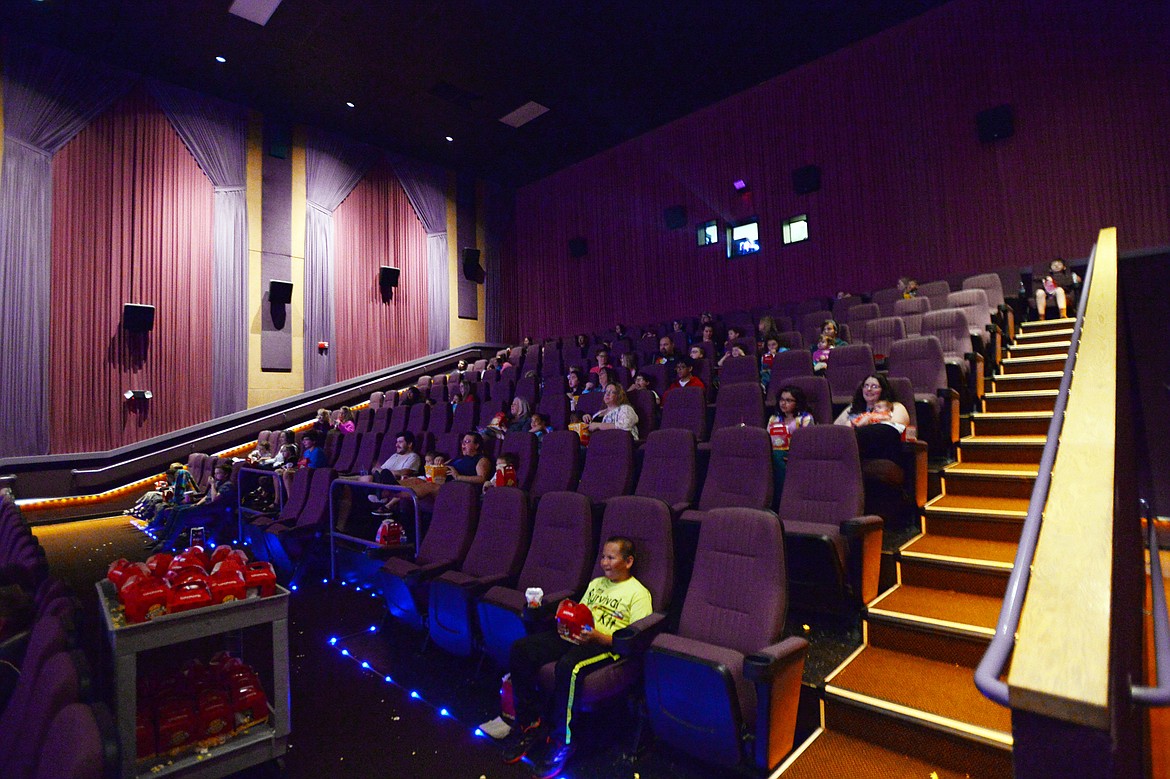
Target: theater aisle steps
(905, 704)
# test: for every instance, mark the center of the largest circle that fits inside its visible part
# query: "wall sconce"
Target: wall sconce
(138, 394)
(322, 347)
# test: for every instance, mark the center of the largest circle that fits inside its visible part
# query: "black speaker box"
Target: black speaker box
(675, 217)
(995, 124)
(578, 247)
(137, 317)
(387, 277)
(471, 269)
(806, 180)
(280, 292)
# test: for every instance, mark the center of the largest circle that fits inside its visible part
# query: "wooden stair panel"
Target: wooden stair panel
(982, 481)
(1039, 348)
(945, 690)
(1021, 400)
(829, 754)
(926, 642)
(1009, 424)
(1017, 365)
(1026, 382)
(1040, 336)
(920, 572)
(1013, 450)
(917, 741)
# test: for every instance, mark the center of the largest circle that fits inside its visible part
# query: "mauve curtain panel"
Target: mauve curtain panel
(216, 134)
(49, 96)
(333, 166)
(424, 184)
(376, 226)
(132, 224)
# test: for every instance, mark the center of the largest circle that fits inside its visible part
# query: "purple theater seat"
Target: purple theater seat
(703, 682)
(834, 551)
(494, 559)
(284, 543)
(440, 419)
(347, 453)
(424, 382)
(738, 404)
(669, 469)
(964, 366)
(985, 335)
(885, 299)
(58, 682)
(437, 393)
(417, 418)
(791, 339)
(847, 368)
(912, 310)
(465, 417)
(450, 444)
(293, 502)
(794, 362)
(842, 307)
(523, 445)
(363, 420)
(80, 743)
(936, 292)
(817, 393)
(921, 361)
(559, 464)
(558, 561)
(367, 453)
(646, 404)
(685, 409)
(880, 334)
(555, 405)
(659, 375)
(47, 638)
(609, 466)
(739, 370)
(810, 325)
(739, 474)
(405, 582)
(646, 522)
(993, 285)
(526, 388)
(859, 316)
(591, 403)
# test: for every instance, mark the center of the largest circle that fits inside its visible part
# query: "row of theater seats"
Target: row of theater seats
(50, 725)
(734, 562)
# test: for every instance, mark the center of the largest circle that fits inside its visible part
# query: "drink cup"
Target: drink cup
(535, 596)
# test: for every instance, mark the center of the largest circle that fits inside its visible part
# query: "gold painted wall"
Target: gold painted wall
(267, 386)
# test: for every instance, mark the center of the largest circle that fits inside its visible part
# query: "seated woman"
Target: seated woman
(323, 423)
(521, 415)
(575, 386)
(1057, 285)
(829, 328)
(766, 329)
(772, 348)
(619, 414)
(600, 380)
(792, 412)
(470, 466)
(879, 433)
(345, 420)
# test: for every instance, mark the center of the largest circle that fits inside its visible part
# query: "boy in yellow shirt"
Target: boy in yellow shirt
(617, 600)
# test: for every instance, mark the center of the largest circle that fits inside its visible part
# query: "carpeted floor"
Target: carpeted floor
(348, 721)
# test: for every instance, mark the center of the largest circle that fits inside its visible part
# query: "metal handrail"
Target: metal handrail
(996, 657)
(369, 485)
(1160, 694)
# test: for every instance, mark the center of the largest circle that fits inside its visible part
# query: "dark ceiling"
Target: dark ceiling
(419, 71)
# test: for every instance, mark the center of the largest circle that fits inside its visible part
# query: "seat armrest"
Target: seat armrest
(776, 671)
(636, 638)
(483, 584)
(864, 535)
(915, 454)
(762, 666)
(431, 570)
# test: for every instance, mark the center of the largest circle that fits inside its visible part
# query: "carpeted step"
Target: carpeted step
(1047, 325)
(1015, 365)
(1011, 423)
(832, 755)
(1008, 450)
(987, 480)
(1020, 400)
(1039, 348)
(938, 701)
(944, 625)
(1002, 506)
(1025, 382)
(1043, 336)
(974, 565)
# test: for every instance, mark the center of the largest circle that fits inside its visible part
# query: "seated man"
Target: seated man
(617, 600)
(404, 462)
(666, 353)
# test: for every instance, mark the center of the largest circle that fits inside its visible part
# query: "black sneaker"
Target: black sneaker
(550, 759)
(517, 743)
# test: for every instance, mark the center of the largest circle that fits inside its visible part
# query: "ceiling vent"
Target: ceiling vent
(258, 11)
(524, 114)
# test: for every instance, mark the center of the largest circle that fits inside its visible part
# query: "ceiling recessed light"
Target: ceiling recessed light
(449, 138)
(221, 59)
(349, 104)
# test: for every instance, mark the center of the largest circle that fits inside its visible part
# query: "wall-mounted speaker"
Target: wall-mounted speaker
(471, 269)
(578, 247)
(387, 277)
(137, 317)
(279, 292)
(675, 217)
(806, 180)
(995, 124)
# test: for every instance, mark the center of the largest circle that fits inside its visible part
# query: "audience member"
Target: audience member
(602, 361)
(766, 329)
(617, 600)
(642, 382)
(521, 415)
(683, 369)
(619, 414)
(820, 355)
(666, 352)
(539, 427)
(505, 472)
(878, 436)
(772, 348)
(217, 504)
(1057, 285)
(404, 462)
(908, 287)
(345, 420)
(575, 382)
(323, 423)
(792, 412)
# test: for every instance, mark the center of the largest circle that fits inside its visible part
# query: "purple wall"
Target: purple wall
(907, 187)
